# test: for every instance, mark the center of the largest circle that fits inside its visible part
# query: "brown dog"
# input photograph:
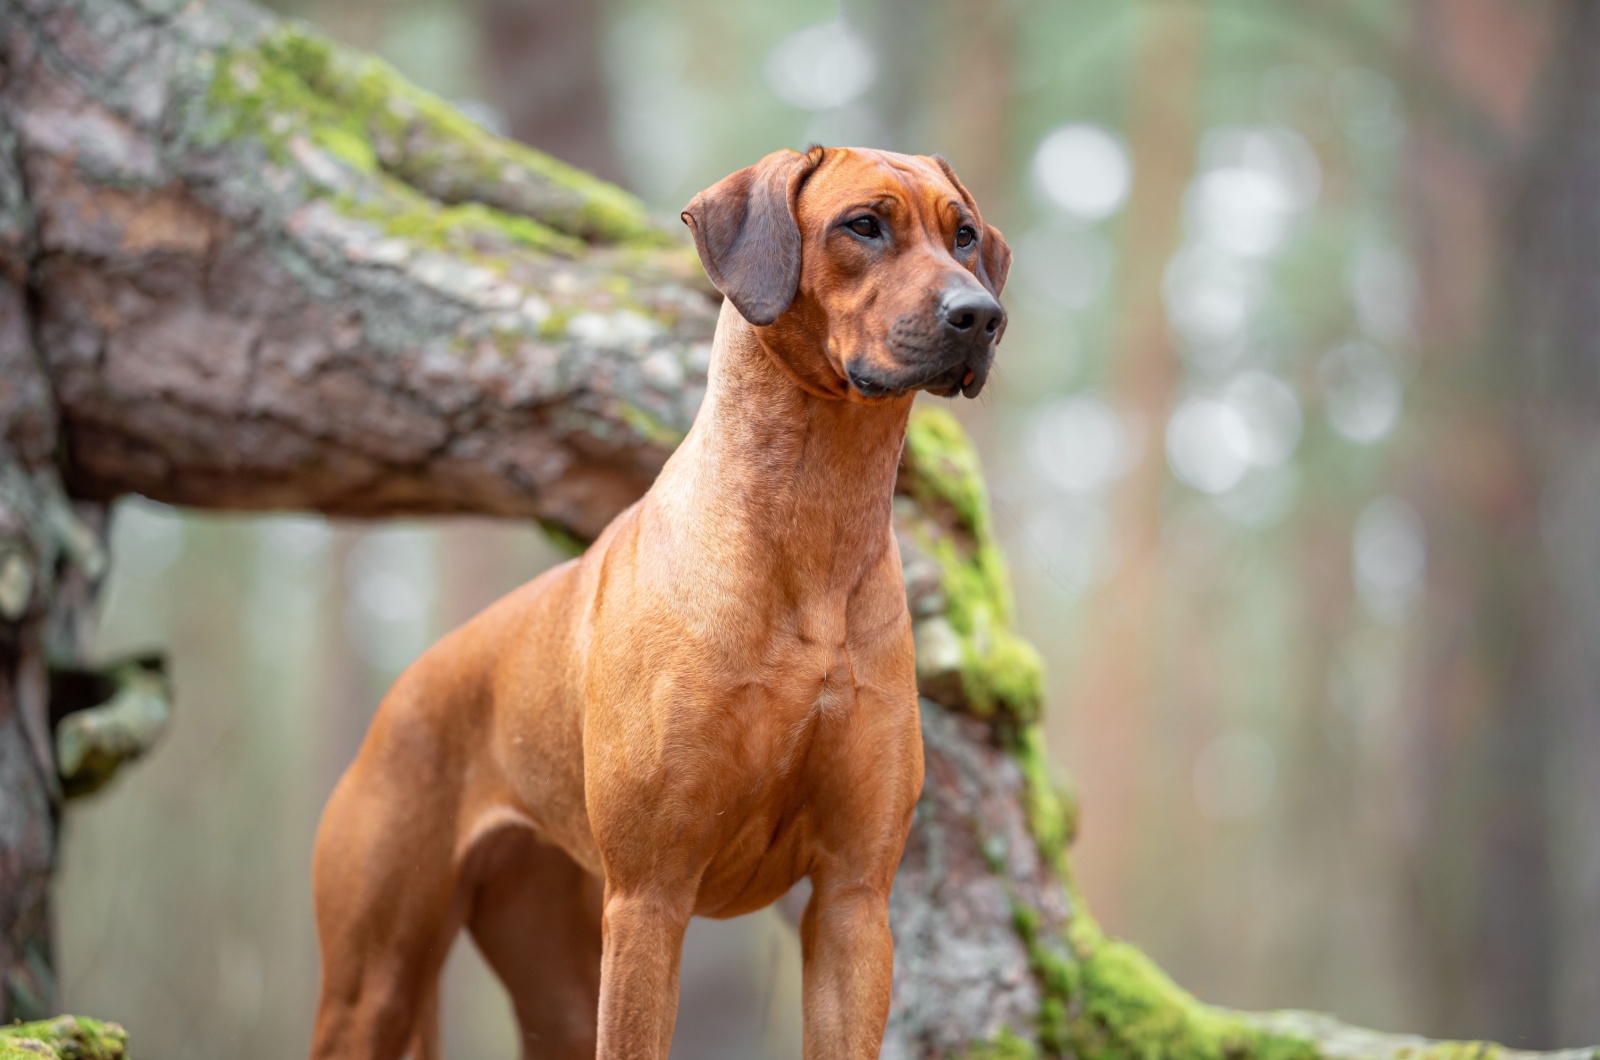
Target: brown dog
(718, 698)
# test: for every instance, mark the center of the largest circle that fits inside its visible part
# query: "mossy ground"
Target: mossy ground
(63, 1038)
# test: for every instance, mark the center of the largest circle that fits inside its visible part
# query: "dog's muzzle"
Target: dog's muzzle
(948, 355)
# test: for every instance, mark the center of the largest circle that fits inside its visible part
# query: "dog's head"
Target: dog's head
(869, 273)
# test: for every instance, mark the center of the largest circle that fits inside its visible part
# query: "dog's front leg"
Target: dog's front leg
(639, 973)
(848, 972)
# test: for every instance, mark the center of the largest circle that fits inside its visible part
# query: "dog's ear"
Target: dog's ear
(745, 230)
(995, 260)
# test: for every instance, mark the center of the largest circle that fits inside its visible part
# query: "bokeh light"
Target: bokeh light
(1361, 387)
(1270, 411)
(1069, 269)
(1079, 444)
(821, 66)
(1083, 170)
(1209, 444)
(1389, 555)
(392, 575)
(1212, 296)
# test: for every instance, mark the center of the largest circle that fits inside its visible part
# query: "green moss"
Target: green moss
(1052, 814)
(63, 1038)
(1000, 672)
(1005, 672)
(467, 229)
(347, 145)
(1058, 974)
(263, 94)
(944, 467)
(562, 538)
(295, 83)
(1003, 1046)
(1105, 1000)
(1131, 1009)
(554, 326)
(648, 427)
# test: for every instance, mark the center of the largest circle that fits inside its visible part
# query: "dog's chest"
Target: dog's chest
(797, 738)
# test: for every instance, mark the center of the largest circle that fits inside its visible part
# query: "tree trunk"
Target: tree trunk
(1109, 696)
(1506, 782)
(543, 64)
(250, 270)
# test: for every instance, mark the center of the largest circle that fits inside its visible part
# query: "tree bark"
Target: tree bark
(250, 270)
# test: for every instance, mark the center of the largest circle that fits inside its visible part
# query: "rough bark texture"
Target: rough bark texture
(48, 558)
(271, 275)
(249, 270)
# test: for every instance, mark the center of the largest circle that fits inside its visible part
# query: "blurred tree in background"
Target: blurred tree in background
(1293, 446)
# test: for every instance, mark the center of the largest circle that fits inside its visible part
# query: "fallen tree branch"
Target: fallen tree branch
(269, 273)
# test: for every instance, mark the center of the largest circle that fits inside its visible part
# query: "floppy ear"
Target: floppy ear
(745, 230)
(995, 260)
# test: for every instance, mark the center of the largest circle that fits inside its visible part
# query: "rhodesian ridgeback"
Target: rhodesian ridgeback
(715, 700)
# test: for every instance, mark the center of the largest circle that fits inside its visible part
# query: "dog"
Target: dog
(715, 700)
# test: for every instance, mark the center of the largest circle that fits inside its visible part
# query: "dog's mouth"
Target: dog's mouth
(960, 378)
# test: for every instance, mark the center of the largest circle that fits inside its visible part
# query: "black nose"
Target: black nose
(971, 313)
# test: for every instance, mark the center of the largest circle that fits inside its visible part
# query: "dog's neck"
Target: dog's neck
(795, 482)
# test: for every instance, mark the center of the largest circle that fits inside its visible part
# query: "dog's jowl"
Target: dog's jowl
(718, 698)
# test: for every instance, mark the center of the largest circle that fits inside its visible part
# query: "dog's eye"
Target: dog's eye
(965, 235)
(866, 227)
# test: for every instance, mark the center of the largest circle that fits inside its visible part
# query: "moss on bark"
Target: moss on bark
(294, 87)
(1001, 674)
(63, 1038)
(1100, 998)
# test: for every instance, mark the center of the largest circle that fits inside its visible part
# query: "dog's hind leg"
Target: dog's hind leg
(387, 895)
(536, 918)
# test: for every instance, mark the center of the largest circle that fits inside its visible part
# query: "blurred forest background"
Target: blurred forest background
(1304, 528)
